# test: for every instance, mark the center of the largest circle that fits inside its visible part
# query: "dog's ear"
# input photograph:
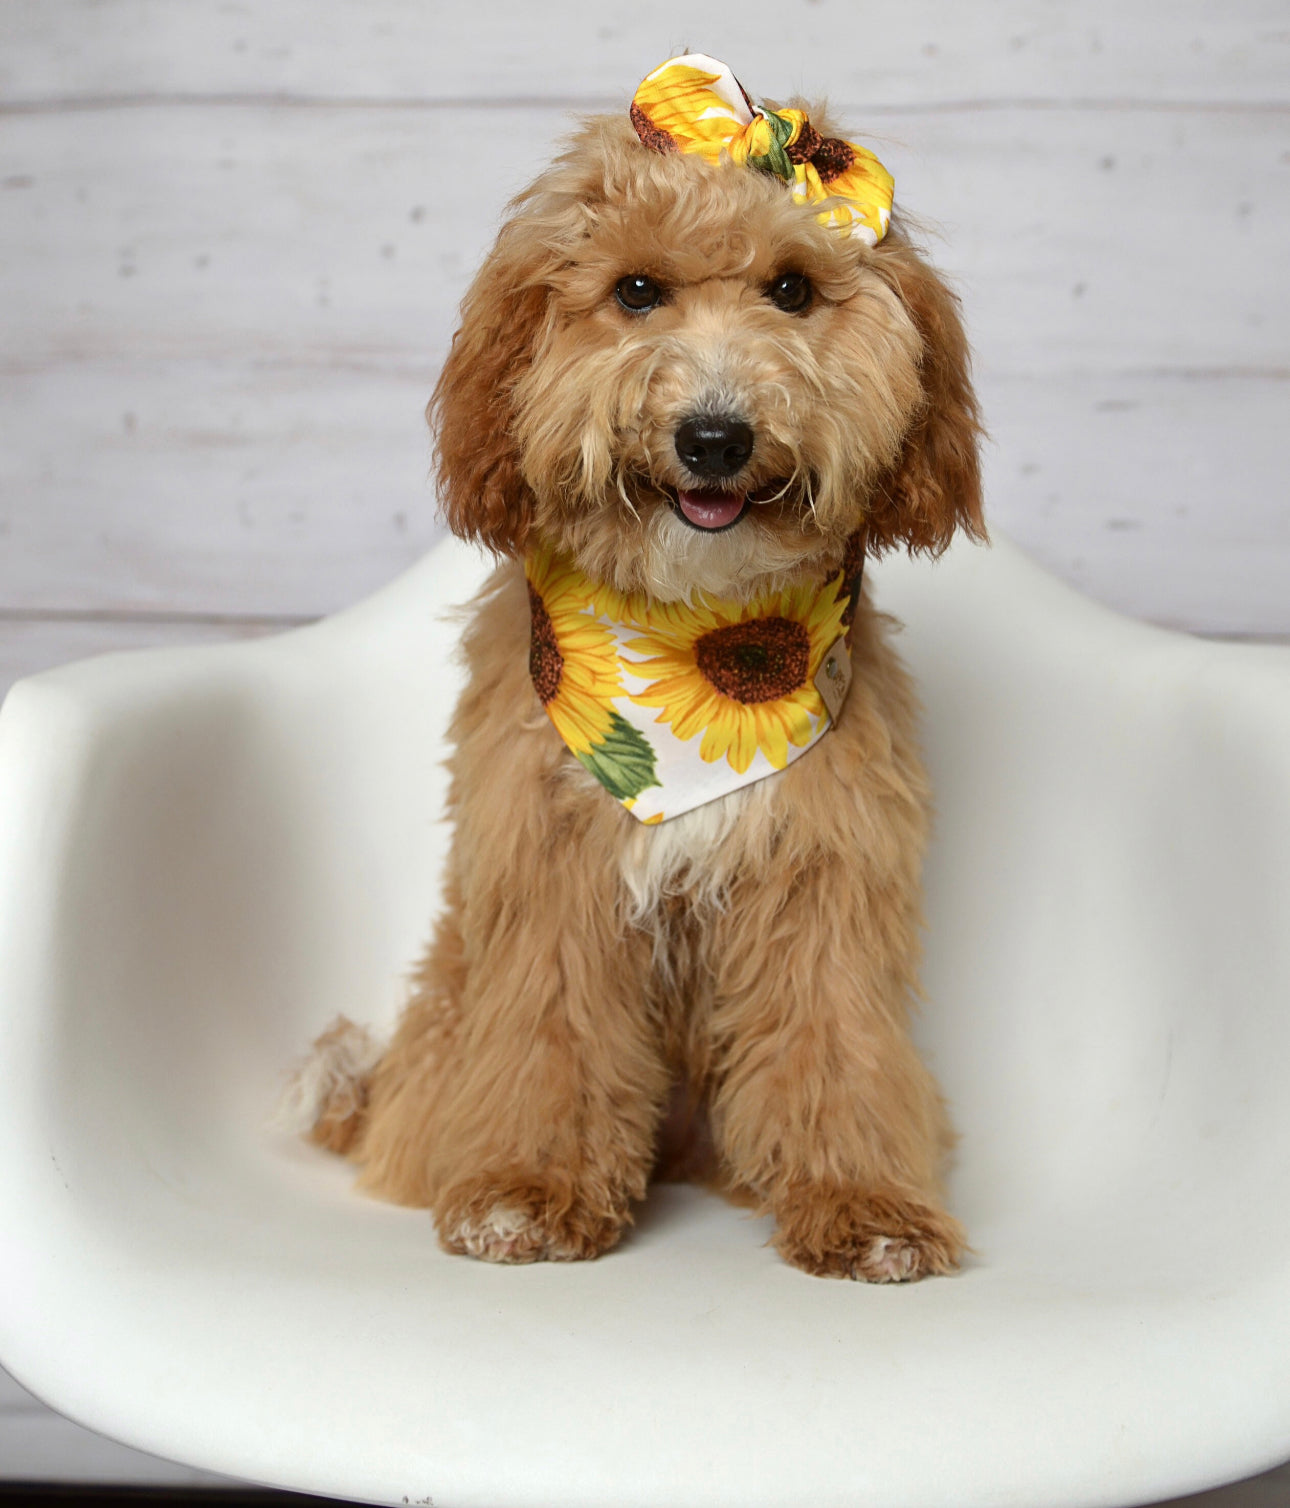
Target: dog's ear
(482, 493)
(934, 487)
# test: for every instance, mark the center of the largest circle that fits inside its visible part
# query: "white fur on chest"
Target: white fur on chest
(692, 851)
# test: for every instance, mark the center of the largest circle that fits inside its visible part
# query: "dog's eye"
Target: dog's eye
(638, 293)
(790, 291)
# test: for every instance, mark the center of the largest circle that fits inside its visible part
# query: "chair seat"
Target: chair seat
(207, 854)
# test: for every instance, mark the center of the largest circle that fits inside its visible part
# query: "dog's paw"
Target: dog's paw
(525, 1220)
(875, 1237)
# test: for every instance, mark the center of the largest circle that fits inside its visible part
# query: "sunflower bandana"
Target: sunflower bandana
(695, 104)
(672, 704)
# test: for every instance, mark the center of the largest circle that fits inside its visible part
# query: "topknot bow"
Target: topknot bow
(695, 104)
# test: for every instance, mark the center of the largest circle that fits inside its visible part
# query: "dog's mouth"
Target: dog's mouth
(713, 511)
(710, 511)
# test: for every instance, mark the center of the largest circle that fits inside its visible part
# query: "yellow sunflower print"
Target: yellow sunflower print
(743, 674)
(619, 607)
(695, 104)
(574, 667)
(572, 658)
(816, 168)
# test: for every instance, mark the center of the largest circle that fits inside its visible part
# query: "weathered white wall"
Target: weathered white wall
(233, 235)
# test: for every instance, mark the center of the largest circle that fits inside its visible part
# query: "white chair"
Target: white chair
(206, 854)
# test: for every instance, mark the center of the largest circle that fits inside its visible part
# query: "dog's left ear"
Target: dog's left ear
(934, 488)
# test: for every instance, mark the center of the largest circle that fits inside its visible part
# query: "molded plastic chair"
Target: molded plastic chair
(205, 854)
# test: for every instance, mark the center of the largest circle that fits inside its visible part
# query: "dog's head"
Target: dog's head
(674, 372)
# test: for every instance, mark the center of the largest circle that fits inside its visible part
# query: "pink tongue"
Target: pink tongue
(711, 510)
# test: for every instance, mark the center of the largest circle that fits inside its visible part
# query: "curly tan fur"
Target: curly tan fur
(761, 952)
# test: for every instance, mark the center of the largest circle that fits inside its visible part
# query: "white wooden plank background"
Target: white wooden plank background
(233, 234)
(919, 51)
(230, 275)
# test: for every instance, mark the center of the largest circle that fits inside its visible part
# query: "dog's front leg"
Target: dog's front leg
(550, 1082)
(822, 1107)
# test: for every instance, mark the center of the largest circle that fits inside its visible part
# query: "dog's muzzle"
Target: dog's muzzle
(714, 448)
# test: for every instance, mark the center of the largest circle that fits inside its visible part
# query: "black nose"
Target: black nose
(714, 445)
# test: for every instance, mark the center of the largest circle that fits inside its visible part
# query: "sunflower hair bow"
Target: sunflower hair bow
(695, 104)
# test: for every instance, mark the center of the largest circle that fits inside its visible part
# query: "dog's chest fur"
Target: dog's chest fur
(691, 852)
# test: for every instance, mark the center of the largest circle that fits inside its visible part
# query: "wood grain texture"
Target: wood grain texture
(225, 321)
(327, 235)
(1161, 495)
(179, 487)
(210, 487)
(919, 52)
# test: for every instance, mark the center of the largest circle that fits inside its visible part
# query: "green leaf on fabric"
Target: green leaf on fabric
(781, 126)
(624, 761)
(776, 159)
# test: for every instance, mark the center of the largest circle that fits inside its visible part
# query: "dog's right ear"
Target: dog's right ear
(482, 493)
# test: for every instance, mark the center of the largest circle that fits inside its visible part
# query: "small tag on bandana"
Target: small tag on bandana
(833, 679)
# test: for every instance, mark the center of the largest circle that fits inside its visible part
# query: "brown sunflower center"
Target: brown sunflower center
(758, 661)
(832, 158)
(546, 663)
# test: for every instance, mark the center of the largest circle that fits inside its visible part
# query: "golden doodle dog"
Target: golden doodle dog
(700, 376)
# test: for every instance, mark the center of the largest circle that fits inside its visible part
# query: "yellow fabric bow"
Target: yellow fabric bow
(695, 104)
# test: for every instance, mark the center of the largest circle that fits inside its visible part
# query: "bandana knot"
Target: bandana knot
(695, 104)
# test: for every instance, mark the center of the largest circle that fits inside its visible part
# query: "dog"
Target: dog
(684, 384)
